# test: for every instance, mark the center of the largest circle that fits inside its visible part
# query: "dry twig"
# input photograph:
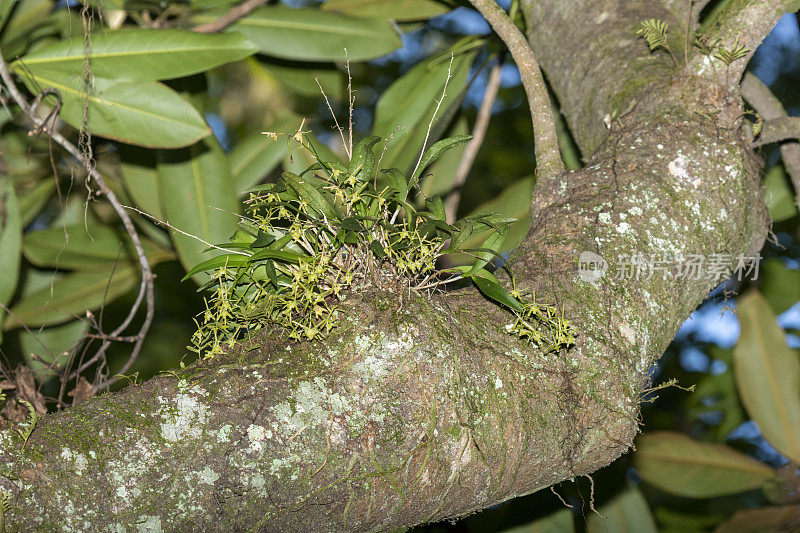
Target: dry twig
(146, 286)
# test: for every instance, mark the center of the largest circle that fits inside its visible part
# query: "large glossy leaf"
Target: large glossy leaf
(313, 34)
(557, 522)
(5, 11)
(716, 393)
(400, 10)
(679, 465)
(10, 242)
(257, 155)
(198, 196)
(627, 511)
(768, 375)
(32, 201)
(76, 247)
(406, 108)
(24, 25)
(780, 197)
(142, 113)
(140, 54)
(779, 284)
(138, 170)
(302, 78)
(762, 520)
(51, 344)
(71, 295)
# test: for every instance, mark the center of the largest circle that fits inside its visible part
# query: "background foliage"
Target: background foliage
(174, 118)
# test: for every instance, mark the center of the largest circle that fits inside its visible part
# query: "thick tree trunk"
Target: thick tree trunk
(423, 409)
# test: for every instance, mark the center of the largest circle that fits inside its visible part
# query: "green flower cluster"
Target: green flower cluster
(308, 240)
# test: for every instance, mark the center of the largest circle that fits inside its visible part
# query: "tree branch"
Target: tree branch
(231, 16)
(746, 22)
(146, 286)
(424, 408)
(545, 137)
(478, 134)
(769, 107)
(779, 129)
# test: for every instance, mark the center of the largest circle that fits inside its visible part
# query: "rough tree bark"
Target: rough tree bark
(421, 409)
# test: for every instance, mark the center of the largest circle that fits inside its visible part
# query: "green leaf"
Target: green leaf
(397, 182)
(488, 250)
(490, 286)
(206, 4)
(138, 170)
(439, 180)
(768, 375)
(780, 198)
(10, 242)
(780, 285)
(513, 202)
(363, 160)
(74, 247)
(557, 522)
(436, 151)
(198, 197)
(51, 345)
(215, 263)
(313, 34)
(716, 393)
(352, 224)
(436, 208)
(24, 25)
(679, 465)
(5, 11)
(628, 511)
(399, 10)
(143, 113)
(405, 109)
(108, 4)
(139, 54)
(302, 78)
(71, 296)
(306, 191)
(762, 520)
(286, 257)
(257, 155)
(33, 201)
(377, 249)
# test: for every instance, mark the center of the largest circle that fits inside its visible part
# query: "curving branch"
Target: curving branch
(747, 23)
(545, 138)
(769, 107)
(779, 129)
(146, 287)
